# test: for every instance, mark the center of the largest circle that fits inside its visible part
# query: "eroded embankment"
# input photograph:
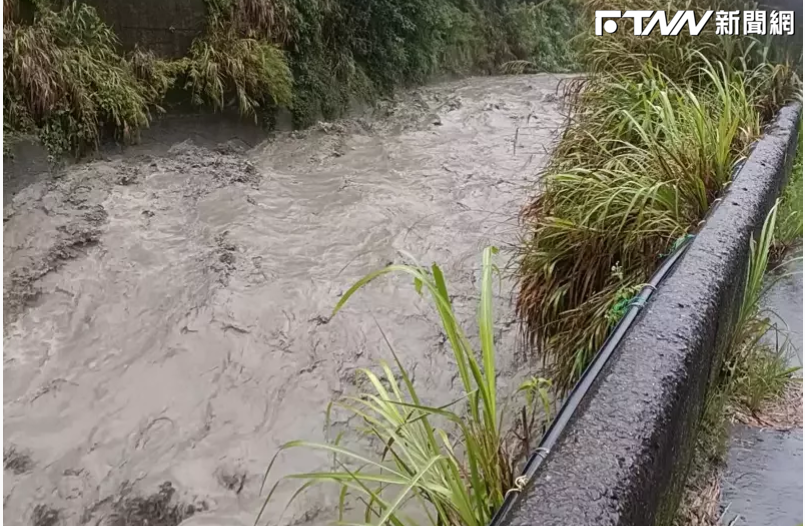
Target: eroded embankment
(166, 309)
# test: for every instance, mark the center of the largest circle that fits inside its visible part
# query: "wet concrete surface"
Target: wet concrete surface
(784, 303)
(165, 309)
(762, 484)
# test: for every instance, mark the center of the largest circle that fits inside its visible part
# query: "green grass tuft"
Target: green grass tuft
(754, 372)
(452, 464)
(63, 81)
(252, 72)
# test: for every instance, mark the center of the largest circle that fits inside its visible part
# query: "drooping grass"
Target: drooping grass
(252, 71)
(655, 132)
(66, 81)
(224, 68)
(157, 76)
(63, 80)
(451, 463)
(261, 19)
(639, 173)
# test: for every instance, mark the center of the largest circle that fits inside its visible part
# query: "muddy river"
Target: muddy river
(166, 308)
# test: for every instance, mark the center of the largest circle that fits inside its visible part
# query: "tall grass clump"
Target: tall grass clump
(654, 133)
(64, 81)
(448, 464)
(238, 62)
(225, 69)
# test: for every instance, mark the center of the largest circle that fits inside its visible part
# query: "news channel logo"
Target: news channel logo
(726, 22)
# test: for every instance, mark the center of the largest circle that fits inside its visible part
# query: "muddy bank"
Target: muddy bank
(166, 308)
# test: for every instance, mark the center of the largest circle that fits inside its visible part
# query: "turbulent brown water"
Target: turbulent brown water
(166, 308)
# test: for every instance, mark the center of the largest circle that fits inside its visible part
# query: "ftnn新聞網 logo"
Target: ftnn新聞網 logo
(727, 22)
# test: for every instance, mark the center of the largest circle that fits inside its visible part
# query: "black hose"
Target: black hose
(572, 402)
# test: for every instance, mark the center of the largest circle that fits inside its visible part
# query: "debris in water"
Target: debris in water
(230, 478)
(44, 515)
(320, 320)
(157, 509)
(128, 177)
(16, 461)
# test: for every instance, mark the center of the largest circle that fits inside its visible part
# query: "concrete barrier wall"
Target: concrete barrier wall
(624, 457)
(166, 27)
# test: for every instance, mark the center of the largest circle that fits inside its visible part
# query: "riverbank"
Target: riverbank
(172, 299)
(69, 82)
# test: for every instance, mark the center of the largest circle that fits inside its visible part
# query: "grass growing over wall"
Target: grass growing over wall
(63, 81)
(655, 132)
(66, 81)
(753, 375)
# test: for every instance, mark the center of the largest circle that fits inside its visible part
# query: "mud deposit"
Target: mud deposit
(166, 309)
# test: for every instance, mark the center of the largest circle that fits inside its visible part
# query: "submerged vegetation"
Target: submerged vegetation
(66, 80)
(655, 132)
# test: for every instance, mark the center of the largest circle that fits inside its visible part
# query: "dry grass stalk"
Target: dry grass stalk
(783, 413)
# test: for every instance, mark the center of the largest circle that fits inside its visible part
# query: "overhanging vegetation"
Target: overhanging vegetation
(66, 79)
